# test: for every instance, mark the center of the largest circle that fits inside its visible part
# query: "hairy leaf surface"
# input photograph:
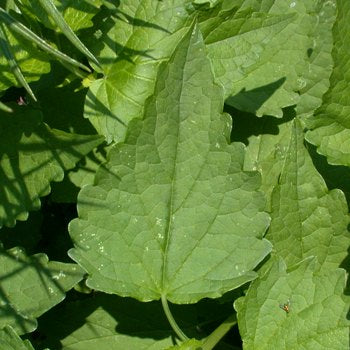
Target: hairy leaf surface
(172, 213)
(331, 123)
(30, 286)
(31, 156)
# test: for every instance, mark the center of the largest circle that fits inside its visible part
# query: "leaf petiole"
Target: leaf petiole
(219, 332)
(171, 319)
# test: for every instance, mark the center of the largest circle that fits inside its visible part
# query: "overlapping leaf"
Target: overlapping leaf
(30, 286)
(172, 213)
(139, 36)
(32, 62)
(104, 321)
(296, 60)
(255, 54)
(77, 13)
(331, 123)
(33, 155)
(10, 340)
(137, 41)
(306, 218)
(314, 314)
(108, 322)
(267, 139)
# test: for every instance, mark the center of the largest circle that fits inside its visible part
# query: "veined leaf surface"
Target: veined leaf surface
(172, 213)
(295, 309)
(10, 340)
(330, 126)
(306, 218)
(29, 286)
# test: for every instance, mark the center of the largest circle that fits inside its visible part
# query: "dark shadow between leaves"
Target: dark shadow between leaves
(335, 176)
(246, 124)
(251, 100)
(132, 318)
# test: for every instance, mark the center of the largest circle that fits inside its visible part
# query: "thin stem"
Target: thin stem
(219, 333)
(171, 319)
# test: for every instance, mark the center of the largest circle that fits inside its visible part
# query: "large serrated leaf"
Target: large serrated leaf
(172, 213)
(31, 156)
(295, 309)
(29, 286)
(331, 123)
(306, 218)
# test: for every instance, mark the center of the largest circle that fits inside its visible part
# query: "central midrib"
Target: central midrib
(173, 183)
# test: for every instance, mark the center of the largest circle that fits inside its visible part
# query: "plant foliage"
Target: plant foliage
(174, 174)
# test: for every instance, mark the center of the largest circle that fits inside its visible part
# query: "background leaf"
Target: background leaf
(9, 340)
(330, 125)
(33, 155)
(307, 219)
(296, 55)
(317, 309)
(172, 213)
(31, 286)
(107, 321)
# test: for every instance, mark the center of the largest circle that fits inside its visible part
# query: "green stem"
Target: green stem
(219, 332)
(171, 319)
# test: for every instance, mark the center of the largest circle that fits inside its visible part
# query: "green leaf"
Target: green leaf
(317, 310)
(59, 20)
(77, 13)
(330, 125)
(267, 140)
(136, 39)
(30, 286)
(5, 108)
(145, 38)
(172, 213)
(20, 29)
(261, 70)
(33, 155)
(299, 54)
(306, 218)
(9, 340)
(33, 63)
(16, 70)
